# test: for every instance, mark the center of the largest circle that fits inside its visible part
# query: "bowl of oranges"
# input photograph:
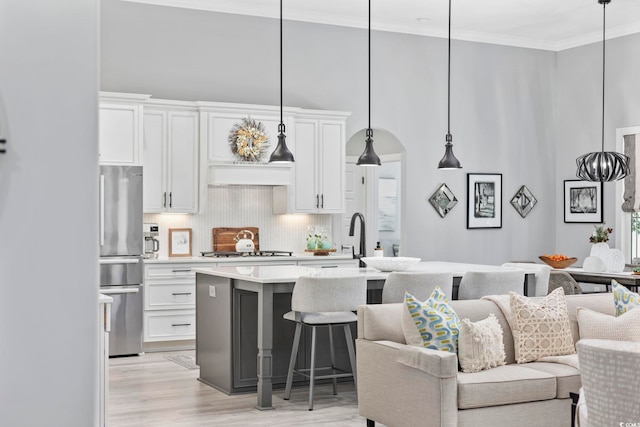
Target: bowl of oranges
(558, 260)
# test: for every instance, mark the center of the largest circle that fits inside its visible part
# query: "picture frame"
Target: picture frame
(484, 200)
(443, 200)
(180, 242)
(523, 201)
(583, 201)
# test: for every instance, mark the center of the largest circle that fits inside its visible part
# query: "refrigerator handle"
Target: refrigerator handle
(101, 210)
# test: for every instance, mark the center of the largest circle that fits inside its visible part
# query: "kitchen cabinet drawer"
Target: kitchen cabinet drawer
(170, 295)
(170, 271)
(169, 325)
(328, 263)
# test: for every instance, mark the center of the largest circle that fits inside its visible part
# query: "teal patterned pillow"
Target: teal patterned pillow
(432, 324)
(623, 298)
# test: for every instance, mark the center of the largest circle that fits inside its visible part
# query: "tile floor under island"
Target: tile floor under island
(150, 390)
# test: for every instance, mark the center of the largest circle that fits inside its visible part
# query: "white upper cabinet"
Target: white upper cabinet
(170, 153)
(120, 128)
(318, 144)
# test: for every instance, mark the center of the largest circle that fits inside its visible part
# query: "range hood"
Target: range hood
(246, 173)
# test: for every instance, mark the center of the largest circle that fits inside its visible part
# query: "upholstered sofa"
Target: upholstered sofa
(401, 385)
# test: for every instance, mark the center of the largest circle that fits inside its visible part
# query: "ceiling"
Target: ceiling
(540, 24)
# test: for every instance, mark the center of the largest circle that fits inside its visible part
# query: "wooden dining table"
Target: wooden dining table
(626, 278)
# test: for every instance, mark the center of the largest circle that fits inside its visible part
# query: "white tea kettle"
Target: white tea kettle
(244, 244)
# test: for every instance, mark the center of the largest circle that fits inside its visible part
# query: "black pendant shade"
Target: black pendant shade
(369, 157)
(281, 154)
(602, 166)
(449, 161)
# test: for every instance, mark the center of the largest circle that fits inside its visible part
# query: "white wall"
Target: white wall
(579, 115)
(502, 105)
(48, 213)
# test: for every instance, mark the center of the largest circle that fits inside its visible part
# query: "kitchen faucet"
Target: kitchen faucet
(362, 238)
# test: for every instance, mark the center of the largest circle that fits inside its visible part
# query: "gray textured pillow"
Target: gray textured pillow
(480, 344)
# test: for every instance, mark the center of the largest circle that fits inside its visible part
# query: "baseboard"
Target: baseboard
(155, 346)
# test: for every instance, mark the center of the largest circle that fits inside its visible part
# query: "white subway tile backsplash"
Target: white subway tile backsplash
(240, 206)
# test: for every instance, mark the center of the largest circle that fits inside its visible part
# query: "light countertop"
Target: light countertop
(286, 273)
(248, 259)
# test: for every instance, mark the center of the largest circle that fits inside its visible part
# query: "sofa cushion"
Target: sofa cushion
(541, 329)
(623, 298)
(480, 344)
(567, 377)
(431, 324)
(601, 302)
(504, 385)
(625, 327)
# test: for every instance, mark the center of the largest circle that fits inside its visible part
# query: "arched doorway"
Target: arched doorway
(377, 192)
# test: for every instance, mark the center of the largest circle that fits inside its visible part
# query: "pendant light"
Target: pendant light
(449, 161)
(602, 165)
(281, 154)
(369, 157)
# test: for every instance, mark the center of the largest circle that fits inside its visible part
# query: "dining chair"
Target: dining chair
(324, 302)
(562, 279)
(418, 284)
(610, 383)
(476, 284)
(538, 285)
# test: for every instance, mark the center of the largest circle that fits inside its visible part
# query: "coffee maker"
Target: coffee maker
(151, 243)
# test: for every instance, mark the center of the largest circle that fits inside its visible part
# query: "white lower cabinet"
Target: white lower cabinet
(170, 301)
(170, 325)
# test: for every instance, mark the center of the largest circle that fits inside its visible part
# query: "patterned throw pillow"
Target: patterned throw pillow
(623, 298)
(540, 329)
(593, 324)
(432, 324)
(480, 344)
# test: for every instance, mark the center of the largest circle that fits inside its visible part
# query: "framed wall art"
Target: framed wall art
(179, 242)
(523, 201)
(582, 201)
(443, 200)
(484, 200)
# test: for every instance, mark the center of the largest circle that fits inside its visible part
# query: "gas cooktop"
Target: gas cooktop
(260, 253)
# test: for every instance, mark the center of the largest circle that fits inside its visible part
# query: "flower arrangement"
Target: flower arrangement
(248, 139)
(600, 234)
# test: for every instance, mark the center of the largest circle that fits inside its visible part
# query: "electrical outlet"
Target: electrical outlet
(212, 291)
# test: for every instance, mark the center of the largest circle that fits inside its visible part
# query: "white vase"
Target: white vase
(593, 264)
(615, 261)
(600, 250)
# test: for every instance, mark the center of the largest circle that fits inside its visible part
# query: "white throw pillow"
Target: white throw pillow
(480, 344)
(540, 329)
(593, 324)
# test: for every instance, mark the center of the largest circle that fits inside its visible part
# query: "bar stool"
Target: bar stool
(324, 302)
(476, 284)
(418, 284)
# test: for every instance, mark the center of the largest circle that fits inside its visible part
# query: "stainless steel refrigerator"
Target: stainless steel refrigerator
(121, 250)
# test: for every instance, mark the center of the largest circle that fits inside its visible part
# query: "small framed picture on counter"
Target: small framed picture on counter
(179, 242)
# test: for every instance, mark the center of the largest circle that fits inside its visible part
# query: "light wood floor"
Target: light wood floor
(149, 390)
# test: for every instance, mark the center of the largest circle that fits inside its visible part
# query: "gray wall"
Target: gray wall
(579, 112)
(48, 213)
(502, 105)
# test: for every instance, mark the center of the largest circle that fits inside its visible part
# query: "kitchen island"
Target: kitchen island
(239, 317)
(239, 320)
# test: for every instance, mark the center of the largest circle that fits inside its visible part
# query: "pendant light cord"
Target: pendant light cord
(449, 78)
(604, 14)
(281, 125)
(369, 131)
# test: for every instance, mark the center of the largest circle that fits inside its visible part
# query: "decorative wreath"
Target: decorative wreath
(248, 139)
